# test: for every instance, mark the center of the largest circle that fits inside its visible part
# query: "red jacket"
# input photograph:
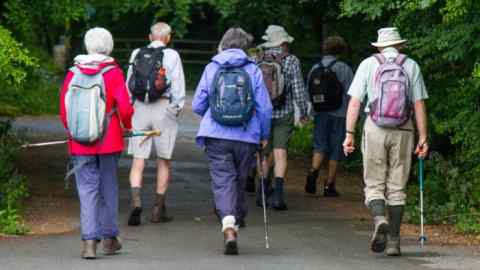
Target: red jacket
(117, 97)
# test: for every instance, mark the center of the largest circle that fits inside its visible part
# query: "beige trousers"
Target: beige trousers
(158, 115)
(387, 158)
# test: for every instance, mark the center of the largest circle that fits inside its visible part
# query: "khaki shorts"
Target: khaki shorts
(387, 158)
(280, 133)
(159, 115)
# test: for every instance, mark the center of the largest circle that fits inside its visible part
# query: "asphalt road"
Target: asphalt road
(305, 237)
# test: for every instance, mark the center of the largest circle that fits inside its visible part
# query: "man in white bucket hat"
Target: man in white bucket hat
(388, 135)
(275, 52)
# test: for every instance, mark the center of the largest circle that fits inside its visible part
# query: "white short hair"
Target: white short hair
(98, 40)
(160, 30)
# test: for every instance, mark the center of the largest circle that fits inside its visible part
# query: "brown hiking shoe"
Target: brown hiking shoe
(159, 211)
(135, 217)
(230, 241)
(393, 246)
(111, 246)
(89, 250)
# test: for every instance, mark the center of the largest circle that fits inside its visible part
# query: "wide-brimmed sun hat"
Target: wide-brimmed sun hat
(275, 36)
(388, 36)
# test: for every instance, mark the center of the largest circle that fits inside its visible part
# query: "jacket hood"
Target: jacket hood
(231, 58)
(93, 63)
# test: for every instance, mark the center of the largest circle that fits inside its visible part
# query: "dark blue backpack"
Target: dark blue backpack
(231, 100)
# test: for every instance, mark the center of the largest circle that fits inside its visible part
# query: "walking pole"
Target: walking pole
(262, 180)
(135, 133)
(422, 238)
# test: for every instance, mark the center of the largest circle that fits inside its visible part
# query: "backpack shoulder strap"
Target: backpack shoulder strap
(332, 64)
(380, 58)
(400, 60)
(107, 68)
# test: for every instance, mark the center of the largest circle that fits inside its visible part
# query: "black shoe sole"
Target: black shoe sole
(310, 189)
(379, 242)
(231, 248)
(135, 218)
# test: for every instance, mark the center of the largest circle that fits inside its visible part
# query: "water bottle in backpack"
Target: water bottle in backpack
(85, 105)
(148, 81)
(231, 99)
(391, 105)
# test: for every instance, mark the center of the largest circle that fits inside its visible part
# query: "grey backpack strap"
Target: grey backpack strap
(380, 58)
(71, 170)
(400, 60)
(107, 68)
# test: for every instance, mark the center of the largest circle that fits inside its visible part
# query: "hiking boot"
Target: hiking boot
(136, 203)
(330, 190)
(89, 250)
(311, 183)
(278, 202)
(379, 237)
(268, 192)
(111, 246)
(230, 242)
(159, 211)
(135, 218)
(393, 246)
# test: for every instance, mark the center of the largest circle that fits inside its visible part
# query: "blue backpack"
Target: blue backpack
(231, 100)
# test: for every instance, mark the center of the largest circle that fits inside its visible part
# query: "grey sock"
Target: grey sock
(395, 214)
(159, 199)
(136, 197)
(377, 207)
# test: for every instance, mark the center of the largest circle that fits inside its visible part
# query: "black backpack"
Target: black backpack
(148, 75)
(326, 91)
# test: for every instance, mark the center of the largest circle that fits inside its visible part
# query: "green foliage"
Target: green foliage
(445, 44)
(12, 185)
(14, 59)
(301, 142)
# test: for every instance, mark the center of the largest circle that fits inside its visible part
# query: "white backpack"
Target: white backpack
(85, 105)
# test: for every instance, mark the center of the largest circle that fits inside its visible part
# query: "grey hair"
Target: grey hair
(235, 38)
(98, 40)
(160, 30)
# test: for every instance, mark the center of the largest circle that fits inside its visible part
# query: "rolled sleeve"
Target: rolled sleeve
(298, 87)
(358, 87)
(418, 88)
(178, 83)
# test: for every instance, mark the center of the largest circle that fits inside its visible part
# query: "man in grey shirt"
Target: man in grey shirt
(329, 131)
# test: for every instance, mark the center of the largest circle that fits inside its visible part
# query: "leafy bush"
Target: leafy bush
(12, 185)
(445, 45)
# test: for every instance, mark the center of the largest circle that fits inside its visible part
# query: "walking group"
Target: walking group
(249, 105)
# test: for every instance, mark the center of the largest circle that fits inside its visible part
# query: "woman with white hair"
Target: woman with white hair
(95, 161)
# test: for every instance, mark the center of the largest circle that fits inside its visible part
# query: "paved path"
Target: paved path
(308, 236)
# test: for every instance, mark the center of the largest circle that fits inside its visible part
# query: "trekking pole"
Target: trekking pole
(135, 133)
(262, 180)
(422, 238)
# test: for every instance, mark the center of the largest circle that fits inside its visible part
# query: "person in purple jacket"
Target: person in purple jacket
(231, 150)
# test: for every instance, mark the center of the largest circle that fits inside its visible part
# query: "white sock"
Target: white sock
(228, 222)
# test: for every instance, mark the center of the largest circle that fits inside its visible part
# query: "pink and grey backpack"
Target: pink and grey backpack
(391, 106)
